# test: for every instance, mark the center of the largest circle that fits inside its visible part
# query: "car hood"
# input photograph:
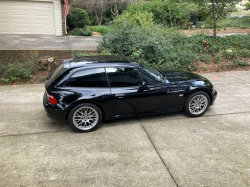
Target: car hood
(180, 76)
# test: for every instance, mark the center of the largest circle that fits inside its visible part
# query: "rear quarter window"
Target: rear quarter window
(88, 78)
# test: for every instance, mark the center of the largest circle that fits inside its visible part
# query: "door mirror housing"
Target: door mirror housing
(143, 86)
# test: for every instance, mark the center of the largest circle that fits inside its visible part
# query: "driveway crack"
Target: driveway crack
(168, 170)
(240, 79)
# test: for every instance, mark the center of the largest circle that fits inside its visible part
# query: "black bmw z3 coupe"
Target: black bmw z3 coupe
(90, 89)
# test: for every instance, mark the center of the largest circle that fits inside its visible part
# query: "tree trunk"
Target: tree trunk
(214, 17)
(98, 19)
(116, 9)
(115, 12)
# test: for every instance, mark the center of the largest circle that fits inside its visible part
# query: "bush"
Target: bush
(101, 29)
(77, 18)
(80, 32)
(136, 35)
(205, 58)
(230, 53)
(18, 71)
(217, 58)
(167, 12)
(2, 69)
(131, 32)
(247, 5)
(244, 53)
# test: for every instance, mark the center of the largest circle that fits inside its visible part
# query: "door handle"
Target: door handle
(119, 95)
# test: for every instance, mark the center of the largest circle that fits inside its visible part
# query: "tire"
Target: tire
(85, 117)
(197, 104)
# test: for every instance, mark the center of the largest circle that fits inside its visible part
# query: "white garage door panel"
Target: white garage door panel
(2, 12)
(42, 14)
(22, 30)
(40, 4)
(26, 17)
(20, 21)
(2, 20)
(43, 31)
(19, 3)
(19, 12)
(4, 29)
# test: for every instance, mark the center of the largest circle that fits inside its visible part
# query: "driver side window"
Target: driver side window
(123, 77)
(148, 79)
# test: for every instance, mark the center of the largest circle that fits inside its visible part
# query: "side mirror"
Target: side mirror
(143, 86)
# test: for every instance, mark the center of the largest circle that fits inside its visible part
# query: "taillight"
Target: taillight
(52, 99)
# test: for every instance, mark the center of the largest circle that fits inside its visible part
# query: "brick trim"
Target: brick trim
(15, 56)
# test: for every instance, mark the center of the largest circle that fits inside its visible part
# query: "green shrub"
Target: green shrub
(102, 29)
(230, 53)
(205, 58)
(238, 63)
(217, 58)
(136, 35)
(244, 53)
(15, 72)
(166, 12)
(77, 18)
(80, 32)
(247, 5)
(2, 69)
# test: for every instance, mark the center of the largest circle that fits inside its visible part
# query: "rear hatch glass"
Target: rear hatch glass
(53, 75)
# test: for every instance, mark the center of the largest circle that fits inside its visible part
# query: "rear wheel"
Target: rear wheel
(85, 117)
(197, 104)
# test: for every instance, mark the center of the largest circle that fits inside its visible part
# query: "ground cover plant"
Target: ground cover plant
(80, 32)
(97, 28)
(234, 22)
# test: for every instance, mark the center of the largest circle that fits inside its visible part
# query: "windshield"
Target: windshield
(153, 72)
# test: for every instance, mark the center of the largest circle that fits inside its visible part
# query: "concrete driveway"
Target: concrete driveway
(33, 42)
(162, 150)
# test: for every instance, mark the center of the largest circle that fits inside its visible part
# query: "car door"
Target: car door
(154, 93)
(127, 92)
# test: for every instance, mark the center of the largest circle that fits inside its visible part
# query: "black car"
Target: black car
(87, 90)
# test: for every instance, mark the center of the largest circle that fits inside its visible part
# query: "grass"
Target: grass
(235, 22)
(102, 29)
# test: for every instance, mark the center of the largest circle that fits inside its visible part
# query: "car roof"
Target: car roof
(99, 61)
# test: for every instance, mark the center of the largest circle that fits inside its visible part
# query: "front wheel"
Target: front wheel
(197, 104)
(85, 117)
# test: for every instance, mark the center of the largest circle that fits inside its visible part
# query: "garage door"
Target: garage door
(26, 17)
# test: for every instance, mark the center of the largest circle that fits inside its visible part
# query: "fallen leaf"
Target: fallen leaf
(14, 86)
(5, 164)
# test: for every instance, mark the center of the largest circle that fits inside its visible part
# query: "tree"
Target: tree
(96, 6)
(99, 7)
(116, 5)
(217, 9)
